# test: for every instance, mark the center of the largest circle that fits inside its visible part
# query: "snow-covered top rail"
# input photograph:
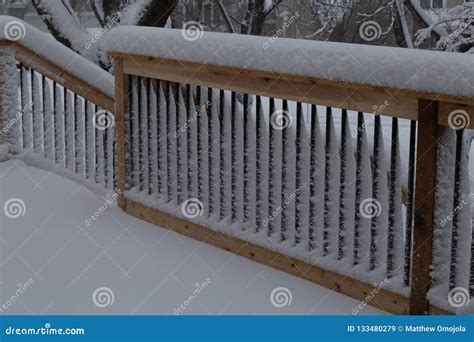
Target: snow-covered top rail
(395, 70)
(39, 50)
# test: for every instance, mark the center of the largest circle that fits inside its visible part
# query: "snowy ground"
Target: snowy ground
(58, 262)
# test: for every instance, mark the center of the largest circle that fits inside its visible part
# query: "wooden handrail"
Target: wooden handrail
(60, 75)
(358, 97)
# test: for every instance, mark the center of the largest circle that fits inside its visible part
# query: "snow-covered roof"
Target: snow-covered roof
(409, 69)
(44, 45)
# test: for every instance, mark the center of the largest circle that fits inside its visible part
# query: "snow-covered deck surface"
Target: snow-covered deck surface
(150, 270)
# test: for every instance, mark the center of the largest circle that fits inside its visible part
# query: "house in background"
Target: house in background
(440, 4)
(24, 10)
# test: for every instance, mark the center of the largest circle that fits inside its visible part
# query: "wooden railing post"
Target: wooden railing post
(429, 133)
(9, 111)
(121, 105)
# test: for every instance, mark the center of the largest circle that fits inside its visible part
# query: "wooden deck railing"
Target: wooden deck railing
(241, 158)
(228, 152)
(49, 113)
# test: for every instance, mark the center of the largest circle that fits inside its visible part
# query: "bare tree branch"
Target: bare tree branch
(226, 17)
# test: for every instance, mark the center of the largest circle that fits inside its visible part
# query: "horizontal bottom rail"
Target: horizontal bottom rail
(380, 298)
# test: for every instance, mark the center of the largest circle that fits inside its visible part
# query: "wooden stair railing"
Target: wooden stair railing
(51, 102)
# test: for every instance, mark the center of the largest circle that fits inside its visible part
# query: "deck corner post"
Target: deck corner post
(121, 105)
(429, 133)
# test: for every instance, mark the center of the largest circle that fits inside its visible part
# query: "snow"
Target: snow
(150, 270)
(45, 46)
(398, 68)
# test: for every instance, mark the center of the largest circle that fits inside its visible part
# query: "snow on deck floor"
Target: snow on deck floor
(148, 269)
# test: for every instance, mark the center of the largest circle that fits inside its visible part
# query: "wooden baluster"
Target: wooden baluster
(299, 173)
(457, 206)
(234, 119)
(69, 129)
(28, 111)
(79, 134)
(395, 223)
(152, 109)
(375, 207)
(37, 113)
(345, 188)
(59, 125)
(181, 146)
(410, 204)
(316, 195)
(222, 171)
(261, 202)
